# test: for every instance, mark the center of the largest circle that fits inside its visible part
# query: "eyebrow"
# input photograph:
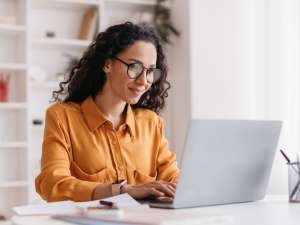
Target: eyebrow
(136, 60)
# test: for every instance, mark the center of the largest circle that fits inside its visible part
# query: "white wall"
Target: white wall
(230, 74)
(238, 59)
(179, 108)
(283, 17)
(223, 58)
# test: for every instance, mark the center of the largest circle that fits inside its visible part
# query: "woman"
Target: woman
(104, 136)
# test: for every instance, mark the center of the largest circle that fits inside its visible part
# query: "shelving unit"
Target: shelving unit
(65, 3)
(13, 105)
(80, 2)
(16, 183)
(37, 128)
(13, 67)
(26, 46)
(15, 144)
(134, 2)
(12, 29)
(44, 84)
(72, 43)
(13, 114)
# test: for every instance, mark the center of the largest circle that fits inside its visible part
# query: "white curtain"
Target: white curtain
(282, 82)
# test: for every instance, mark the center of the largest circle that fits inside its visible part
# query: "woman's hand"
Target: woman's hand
(159, 190)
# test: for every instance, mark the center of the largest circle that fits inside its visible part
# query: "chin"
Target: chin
(132, 99)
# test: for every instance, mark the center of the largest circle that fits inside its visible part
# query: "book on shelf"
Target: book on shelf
(4, 87)
(89, 24)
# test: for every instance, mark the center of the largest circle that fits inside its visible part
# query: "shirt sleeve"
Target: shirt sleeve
(167, 168)
(55, 182)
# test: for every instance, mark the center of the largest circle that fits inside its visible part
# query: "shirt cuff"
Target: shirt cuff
(85, 191)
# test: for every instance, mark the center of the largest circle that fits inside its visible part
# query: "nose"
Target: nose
(142, 79)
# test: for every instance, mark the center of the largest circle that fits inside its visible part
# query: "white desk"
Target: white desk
(273, 210)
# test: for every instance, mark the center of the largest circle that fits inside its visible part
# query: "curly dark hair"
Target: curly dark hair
(87, 77)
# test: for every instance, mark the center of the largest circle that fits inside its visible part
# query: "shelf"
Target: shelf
(136, 2)
(78, 2)
(62, 42)
(11, 184)
(13, 67)
(5, 222)
(37, 128)
(46, 3)
(65, 3)
(15, 144)
(13, 105)
(82, 2)
(44, 84)
(12, 29)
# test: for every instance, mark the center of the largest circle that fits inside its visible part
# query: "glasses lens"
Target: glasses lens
(134, 70)
(153, 75)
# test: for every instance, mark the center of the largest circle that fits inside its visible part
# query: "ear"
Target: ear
(107, 66)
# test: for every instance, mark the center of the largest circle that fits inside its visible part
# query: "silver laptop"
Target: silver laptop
(225, 161)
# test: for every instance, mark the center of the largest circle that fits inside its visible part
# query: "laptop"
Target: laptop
(225, 161)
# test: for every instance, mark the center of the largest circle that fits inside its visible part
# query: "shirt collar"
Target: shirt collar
(95, 118)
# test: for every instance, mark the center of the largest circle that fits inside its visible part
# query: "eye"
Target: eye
(135, 67)
(151, 70)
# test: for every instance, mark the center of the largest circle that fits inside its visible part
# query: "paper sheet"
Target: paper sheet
(122, 201)
(63, 207)
(69, 207)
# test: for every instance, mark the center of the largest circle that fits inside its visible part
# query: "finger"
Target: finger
(165, 189)
(153, 192)
(165, 199)
(163, 186)
(172, 188)
(174, 185)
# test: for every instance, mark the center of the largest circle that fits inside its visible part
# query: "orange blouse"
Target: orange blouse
(81, 149)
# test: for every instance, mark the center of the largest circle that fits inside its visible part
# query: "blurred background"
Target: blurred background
(228, 59)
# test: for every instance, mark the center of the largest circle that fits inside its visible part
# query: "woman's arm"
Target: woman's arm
(55, 182)
(167, 168)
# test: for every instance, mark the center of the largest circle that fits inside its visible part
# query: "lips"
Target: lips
(136, 91)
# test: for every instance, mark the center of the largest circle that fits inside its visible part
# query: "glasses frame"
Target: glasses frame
(144, 68)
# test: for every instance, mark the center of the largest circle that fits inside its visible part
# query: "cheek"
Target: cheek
(119, 81)
(118, 74)
(126, 84)
(124, 87)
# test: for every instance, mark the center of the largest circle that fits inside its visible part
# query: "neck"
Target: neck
(110, 106)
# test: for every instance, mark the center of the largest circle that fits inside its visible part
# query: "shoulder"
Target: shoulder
(59, 110)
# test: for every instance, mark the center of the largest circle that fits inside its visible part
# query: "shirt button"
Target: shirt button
(114, 141)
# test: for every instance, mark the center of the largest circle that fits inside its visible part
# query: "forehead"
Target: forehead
(142, 51)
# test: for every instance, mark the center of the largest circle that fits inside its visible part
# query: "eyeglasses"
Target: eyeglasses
(135, 70)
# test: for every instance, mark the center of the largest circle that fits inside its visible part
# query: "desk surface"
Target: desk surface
(273, 210)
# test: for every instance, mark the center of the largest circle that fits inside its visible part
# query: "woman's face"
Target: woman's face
(118, 82)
